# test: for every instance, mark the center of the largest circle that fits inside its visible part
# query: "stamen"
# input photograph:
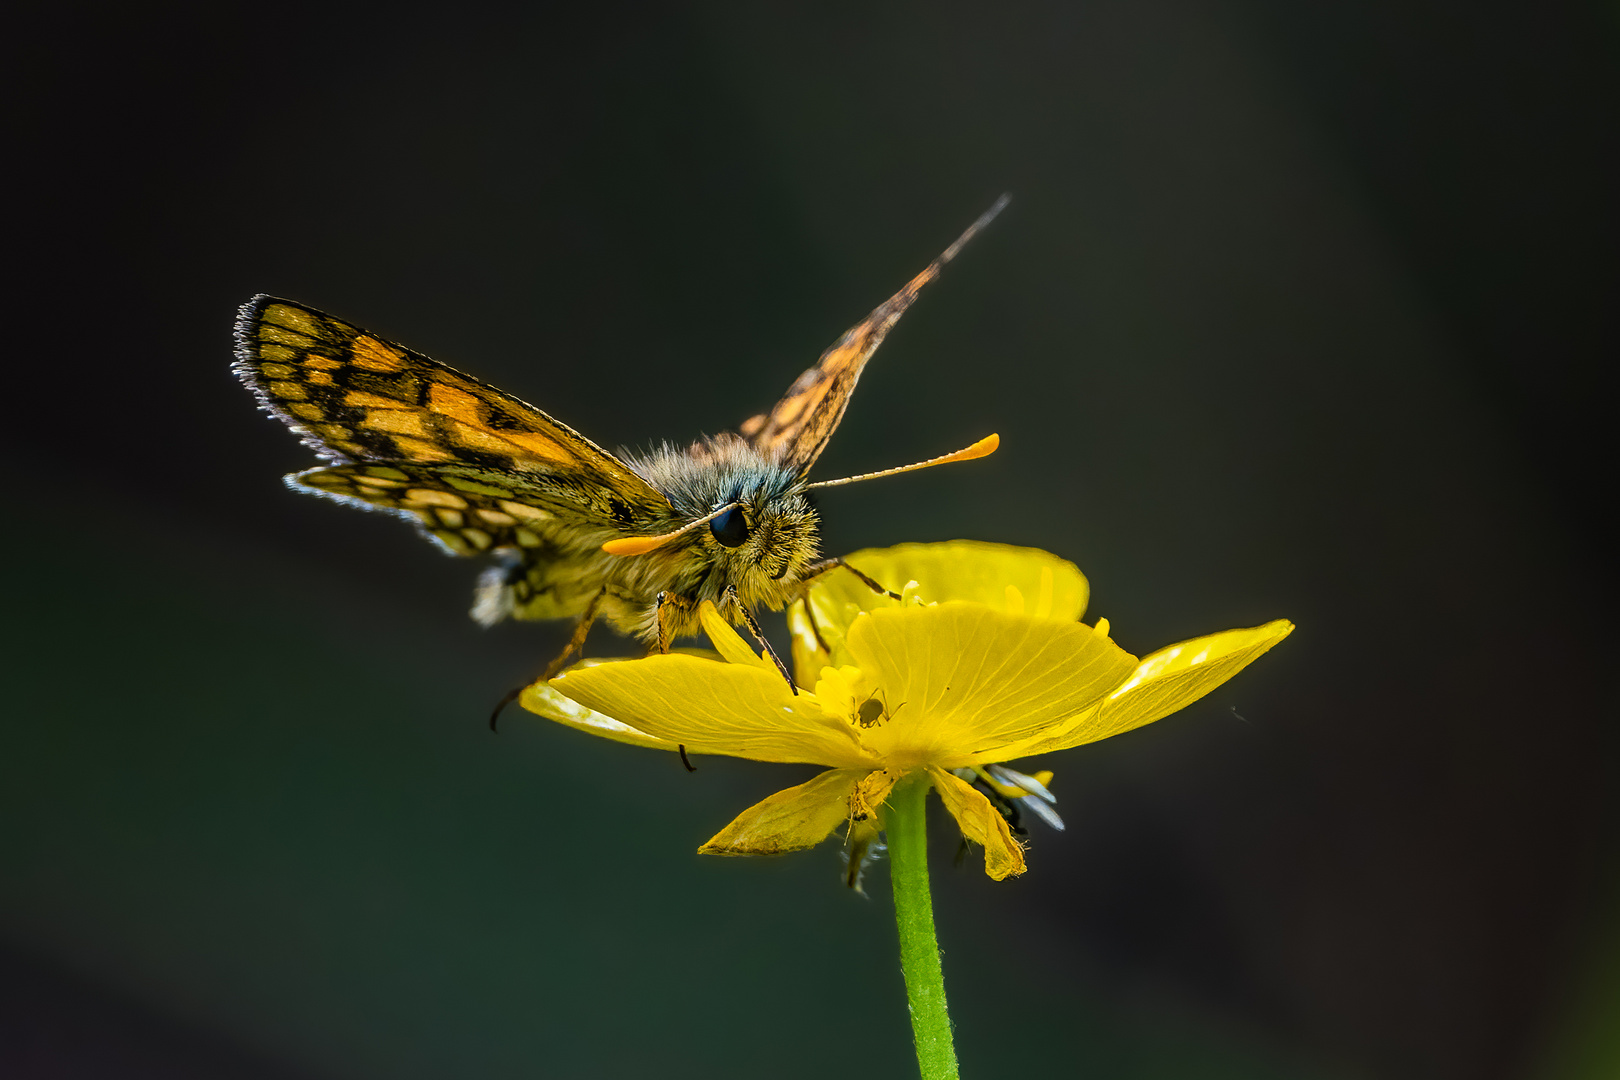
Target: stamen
(983, 448)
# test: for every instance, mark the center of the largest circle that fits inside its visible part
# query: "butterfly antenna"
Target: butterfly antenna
(983, 448)
(640, 545)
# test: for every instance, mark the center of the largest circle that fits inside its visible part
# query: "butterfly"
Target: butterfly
(574, 531)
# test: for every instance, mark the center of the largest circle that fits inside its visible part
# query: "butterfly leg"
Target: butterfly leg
(815, 627)
(576, 643)
(816, 569)
(669, 604)
(730, 595)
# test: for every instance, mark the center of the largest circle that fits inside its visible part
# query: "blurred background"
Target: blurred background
(1297, 312)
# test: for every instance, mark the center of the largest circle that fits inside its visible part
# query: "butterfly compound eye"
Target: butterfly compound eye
(730, 528)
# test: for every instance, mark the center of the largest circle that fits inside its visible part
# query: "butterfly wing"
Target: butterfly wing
(796, 431)
(543, 554)
(357, 399)
(468, 510)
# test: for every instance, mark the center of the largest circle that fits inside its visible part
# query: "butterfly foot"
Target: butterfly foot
(506, 699)
(815, 570)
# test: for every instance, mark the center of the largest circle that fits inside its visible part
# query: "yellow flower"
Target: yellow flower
(982, 661)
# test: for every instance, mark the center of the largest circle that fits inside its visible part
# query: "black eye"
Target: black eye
(730, 528)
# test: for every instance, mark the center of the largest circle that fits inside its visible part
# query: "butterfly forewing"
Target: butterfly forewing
(356, 398)
(796, 431)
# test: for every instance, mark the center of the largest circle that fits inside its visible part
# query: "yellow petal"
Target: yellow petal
(1047, 586)
(808, 655)
(727, 642)
(542, 699)
(715, 708)
(1003, 856)
(961, 680)
(790, 820)
(835, 691)
(1164, 682)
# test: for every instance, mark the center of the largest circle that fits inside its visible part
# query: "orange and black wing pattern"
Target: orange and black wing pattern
(796, 431)
(358, 400)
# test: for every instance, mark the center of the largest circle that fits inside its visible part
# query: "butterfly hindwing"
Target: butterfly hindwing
(471, 511)
(468, 510)
(354, 397)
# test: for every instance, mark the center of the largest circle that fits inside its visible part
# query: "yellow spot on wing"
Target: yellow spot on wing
(373, 355)
(395, 421)
(377, 482)
(480, 539)
(495, 517)
(475, 438)
(525, 538)
(457, 404)
(322, 363)
(276, 352)
(275, 335)
(277, 371)
(451, 518)
(453, 541)
(385, 472)
(359, 399)
(462, 484)
(541, 446)
(421, 449)
(305, 411)
(525, 513)
(429, 497)
(292, 318)
(288, 391)
(319, 378)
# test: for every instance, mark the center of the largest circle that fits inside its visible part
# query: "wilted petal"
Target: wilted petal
(862, 846)
(871, 793)
(790, 820)
(980, 823)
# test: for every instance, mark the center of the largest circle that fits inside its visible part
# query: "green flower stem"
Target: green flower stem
(907, 831)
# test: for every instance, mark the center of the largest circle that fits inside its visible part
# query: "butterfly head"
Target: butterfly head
(745, 515)
(765, 534)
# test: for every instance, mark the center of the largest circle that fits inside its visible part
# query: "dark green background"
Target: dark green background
(1298, 311)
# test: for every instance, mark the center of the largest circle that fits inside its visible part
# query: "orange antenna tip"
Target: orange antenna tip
(640, 545)
(634, 545)
(983, 448)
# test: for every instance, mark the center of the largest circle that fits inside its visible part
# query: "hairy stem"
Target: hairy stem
(907, 830)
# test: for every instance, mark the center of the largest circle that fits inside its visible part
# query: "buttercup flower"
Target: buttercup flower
(982, 661)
